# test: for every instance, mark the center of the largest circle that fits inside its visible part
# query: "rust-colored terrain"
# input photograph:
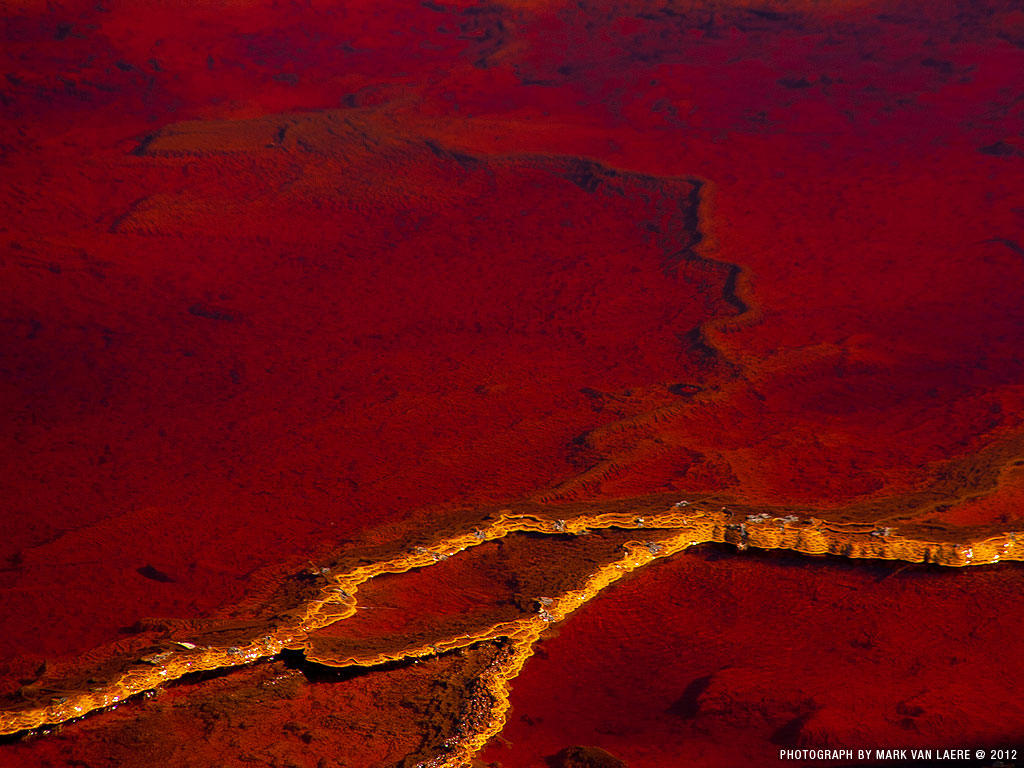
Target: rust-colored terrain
(519, 384)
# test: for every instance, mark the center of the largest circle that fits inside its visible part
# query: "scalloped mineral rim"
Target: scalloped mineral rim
(669, 528)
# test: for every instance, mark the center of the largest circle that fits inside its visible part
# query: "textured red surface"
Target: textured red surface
(743, 658)
(320, 367)
(219, 363)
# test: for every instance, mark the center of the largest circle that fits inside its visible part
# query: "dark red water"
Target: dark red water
(720, 661)
(276, 278)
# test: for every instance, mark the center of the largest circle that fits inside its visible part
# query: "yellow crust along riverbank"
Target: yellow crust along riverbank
(669, 529)
(495, 684)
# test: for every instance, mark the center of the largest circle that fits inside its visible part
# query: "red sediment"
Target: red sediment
(276, 713)
(244, 393)
(722, 660)
(274, 279)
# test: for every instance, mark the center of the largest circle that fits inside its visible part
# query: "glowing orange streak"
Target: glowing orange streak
(692, 525)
